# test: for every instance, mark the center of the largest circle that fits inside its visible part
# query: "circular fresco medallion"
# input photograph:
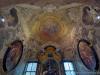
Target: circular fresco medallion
(51, 27)
(88, 55)
(13, 55)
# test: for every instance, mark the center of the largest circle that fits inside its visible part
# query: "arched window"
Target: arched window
(30, 68)
(69, 68)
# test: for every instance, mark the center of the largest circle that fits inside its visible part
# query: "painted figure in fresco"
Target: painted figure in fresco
(13, 55)
(89, 16)
(50, 28)
(12, 19)
(86, 54)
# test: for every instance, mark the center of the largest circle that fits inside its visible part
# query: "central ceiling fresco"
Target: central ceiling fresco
(51, 27)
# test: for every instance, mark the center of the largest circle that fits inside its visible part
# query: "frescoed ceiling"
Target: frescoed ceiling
(40, 24)
(50, 25)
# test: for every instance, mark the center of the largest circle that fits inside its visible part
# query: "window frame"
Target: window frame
(69, 70)
(26, 66)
